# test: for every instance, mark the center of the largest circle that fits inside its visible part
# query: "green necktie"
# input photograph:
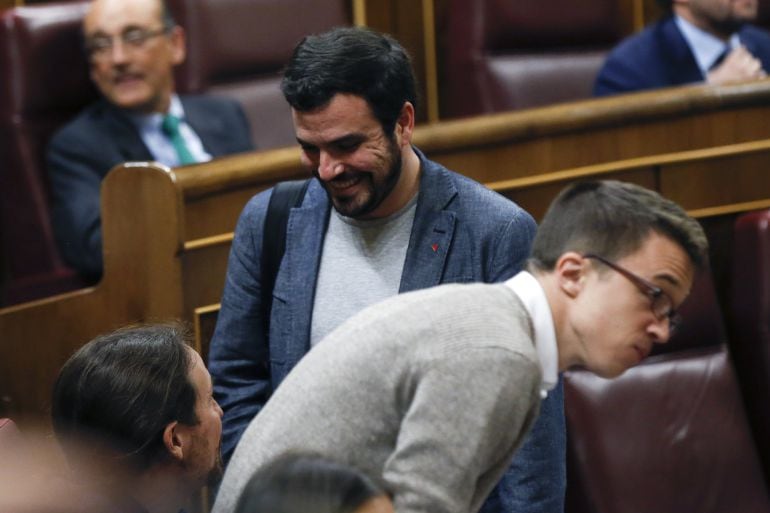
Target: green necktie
(170, 127)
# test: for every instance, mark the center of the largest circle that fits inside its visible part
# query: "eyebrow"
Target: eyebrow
(355, 137)
(667, 278)
(349, 138)
(127, 28)
(671, 280)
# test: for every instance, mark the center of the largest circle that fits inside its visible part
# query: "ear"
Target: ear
(178, 45)
(175, 440)
(570, 270)
(405, 125)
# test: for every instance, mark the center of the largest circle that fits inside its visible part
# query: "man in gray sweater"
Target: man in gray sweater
(432, 392)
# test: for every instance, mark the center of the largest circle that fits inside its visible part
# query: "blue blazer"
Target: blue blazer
(659, 56)
(481, 237)
(81, 154)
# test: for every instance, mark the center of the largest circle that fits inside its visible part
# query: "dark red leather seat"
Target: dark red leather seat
(238, 48)
(750, 321)
(503, 55)
(43, 82)
(670, 435)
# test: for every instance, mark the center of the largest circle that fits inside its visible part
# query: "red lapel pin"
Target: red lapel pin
(434, 247)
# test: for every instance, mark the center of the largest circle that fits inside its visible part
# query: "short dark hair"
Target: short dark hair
(298, 483)
(122, 389)
(351, 60)
(612, 219)
(165, 16)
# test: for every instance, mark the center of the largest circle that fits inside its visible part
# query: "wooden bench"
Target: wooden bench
(167, 232)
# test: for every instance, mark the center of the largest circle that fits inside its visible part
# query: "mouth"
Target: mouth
(126, 78)
(343, 182)
(642, 351)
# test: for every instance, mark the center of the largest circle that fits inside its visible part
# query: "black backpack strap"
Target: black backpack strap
(285, 196)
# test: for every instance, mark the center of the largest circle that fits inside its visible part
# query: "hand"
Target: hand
(738, 66)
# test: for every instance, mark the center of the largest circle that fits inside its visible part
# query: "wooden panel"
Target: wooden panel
(406, 21)
(204, 272)
(204, 322)
(212, 215)
(721, 181)
(142, 282)
(536, 198)
(525, 143)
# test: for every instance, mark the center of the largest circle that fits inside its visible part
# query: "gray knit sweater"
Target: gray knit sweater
(430, 393)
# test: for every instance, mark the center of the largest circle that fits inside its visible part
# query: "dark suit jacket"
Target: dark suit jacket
(101, 137)
(659, 56)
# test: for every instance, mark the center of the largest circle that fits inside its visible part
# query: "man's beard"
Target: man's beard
(728, 26)
(377, 192)
(215, 474)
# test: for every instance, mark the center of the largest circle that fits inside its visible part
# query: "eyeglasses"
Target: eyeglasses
(661, 304)
(100, 46)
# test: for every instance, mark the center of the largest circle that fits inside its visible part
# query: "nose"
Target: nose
(660, 330)
(329, 167)
(118, 51)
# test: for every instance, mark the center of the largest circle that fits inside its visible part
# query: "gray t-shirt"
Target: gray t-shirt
(361, 264)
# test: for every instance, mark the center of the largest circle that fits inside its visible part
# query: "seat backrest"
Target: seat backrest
(43, 82)
(670, 435)
(750, 321)
(702, 323)
(512, 55)
(238, 48)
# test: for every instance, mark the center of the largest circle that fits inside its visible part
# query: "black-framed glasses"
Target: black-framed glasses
(100, 46)
(661, 304)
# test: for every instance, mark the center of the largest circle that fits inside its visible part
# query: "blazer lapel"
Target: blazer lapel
(126, 136)
(749, 42)
(680, 62)
(432, 231)
(210, 127)
(296, 281)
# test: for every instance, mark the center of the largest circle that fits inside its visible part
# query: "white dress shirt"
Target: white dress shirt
(705, 46)
(531, 293)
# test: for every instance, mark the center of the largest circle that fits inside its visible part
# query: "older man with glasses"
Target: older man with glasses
(132, 47)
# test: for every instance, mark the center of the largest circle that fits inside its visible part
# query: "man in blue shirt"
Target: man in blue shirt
(698, 41)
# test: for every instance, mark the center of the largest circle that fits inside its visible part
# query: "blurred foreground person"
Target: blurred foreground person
(431, 393)
(135, 414)
(33, 475)
(304, 483)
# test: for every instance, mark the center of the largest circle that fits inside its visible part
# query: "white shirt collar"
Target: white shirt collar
(705, 46)
(153, 120)
(532, 295)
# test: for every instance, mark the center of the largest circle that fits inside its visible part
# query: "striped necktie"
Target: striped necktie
(170, 127)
